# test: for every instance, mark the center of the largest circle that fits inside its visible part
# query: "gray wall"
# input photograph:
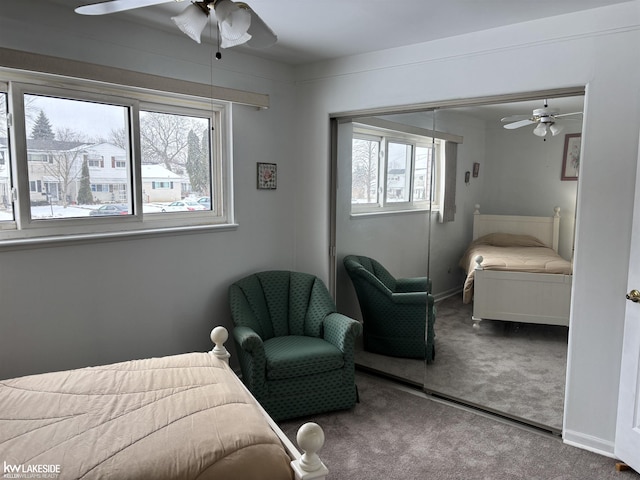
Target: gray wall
(522, 177)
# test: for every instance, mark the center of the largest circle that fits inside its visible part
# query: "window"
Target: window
(391, 170)
(38, 157)
(95, 162)
(85, 148)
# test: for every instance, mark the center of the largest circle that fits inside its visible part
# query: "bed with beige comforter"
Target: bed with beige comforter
(510, 252)
(179, 417)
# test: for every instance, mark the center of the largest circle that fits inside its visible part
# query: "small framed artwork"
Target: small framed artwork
(476, 169)
(571, 156)
(267, 176)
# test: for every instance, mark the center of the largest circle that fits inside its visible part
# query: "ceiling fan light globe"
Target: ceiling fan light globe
(191, 21)
(555, 129)
(234, 23)
(540, 130)
(232, 42)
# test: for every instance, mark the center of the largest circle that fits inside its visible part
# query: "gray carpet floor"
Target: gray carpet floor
(397, 433)
(517, 370)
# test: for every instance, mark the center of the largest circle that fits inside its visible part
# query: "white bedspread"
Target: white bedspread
(521, 253)
(179, 417)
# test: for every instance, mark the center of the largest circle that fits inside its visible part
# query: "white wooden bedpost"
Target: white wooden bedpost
(476, 212)
(219, 335)
(310, 438)
(556, 228)
(479, 259)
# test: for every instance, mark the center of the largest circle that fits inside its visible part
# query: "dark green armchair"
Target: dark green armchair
(295, 351)
(398, 313)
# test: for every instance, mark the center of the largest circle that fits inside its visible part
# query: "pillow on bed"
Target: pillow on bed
(509, 240)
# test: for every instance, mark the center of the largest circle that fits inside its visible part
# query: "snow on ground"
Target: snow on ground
(72, 211)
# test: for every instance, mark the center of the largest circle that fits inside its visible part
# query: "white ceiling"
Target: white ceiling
(312, 30)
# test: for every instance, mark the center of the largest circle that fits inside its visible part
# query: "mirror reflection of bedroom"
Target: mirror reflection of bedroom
(500, 178)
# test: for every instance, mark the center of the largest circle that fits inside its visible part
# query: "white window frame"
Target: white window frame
(24, 229)
(386, 136)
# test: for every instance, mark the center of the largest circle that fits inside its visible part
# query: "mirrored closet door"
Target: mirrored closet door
(388, 183)
(382, 221)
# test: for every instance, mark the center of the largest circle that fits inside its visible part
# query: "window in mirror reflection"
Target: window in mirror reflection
(391, 170)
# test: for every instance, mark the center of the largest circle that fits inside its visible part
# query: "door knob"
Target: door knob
(634, 296)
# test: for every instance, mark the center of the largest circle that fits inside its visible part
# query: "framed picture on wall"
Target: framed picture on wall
(571, 156)
(267, 176)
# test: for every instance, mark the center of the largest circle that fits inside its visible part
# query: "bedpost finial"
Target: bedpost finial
(556, 211)
(219, 335)
(477, 209)
(310, 438)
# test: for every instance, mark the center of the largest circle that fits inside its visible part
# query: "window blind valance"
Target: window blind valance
(33, 62)
(413, 130)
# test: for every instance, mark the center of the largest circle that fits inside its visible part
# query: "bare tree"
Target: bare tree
(66, 162)
(31, 109)
(164, 139)
(118, 137)
(364, 169)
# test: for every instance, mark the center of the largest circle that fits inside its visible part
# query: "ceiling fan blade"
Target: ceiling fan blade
(515, 118)
(521, 123)
(113, 6)
(567, 114)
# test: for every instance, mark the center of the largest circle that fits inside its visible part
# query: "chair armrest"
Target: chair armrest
(248, 340)
(417, 284)
(341, 331)
(251, 356)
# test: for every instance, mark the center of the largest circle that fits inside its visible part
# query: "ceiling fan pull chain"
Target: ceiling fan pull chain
(218, 54)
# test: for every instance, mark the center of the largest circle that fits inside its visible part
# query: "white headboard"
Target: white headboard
(545, 229)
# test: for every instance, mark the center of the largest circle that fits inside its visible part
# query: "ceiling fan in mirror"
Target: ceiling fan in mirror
(545, 120)
(237, 22)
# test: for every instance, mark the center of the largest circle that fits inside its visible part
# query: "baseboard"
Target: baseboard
(589, 442)
(438, 297)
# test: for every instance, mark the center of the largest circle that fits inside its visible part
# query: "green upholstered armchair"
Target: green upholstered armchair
(295, 351)
(394, 310)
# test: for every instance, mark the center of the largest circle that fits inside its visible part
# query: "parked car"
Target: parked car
(206, 201)
(110, 209)
(183, 206)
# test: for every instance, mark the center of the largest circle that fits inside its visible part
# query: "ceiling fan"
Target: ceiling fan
(236, 21)
(545, 118)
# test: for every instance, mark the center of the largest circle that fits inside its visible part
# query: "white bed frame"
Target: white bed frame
(310, 437)
(520, 296)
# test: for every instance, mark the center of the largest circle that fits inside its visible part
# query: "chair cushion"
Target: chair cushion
(297, 356)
